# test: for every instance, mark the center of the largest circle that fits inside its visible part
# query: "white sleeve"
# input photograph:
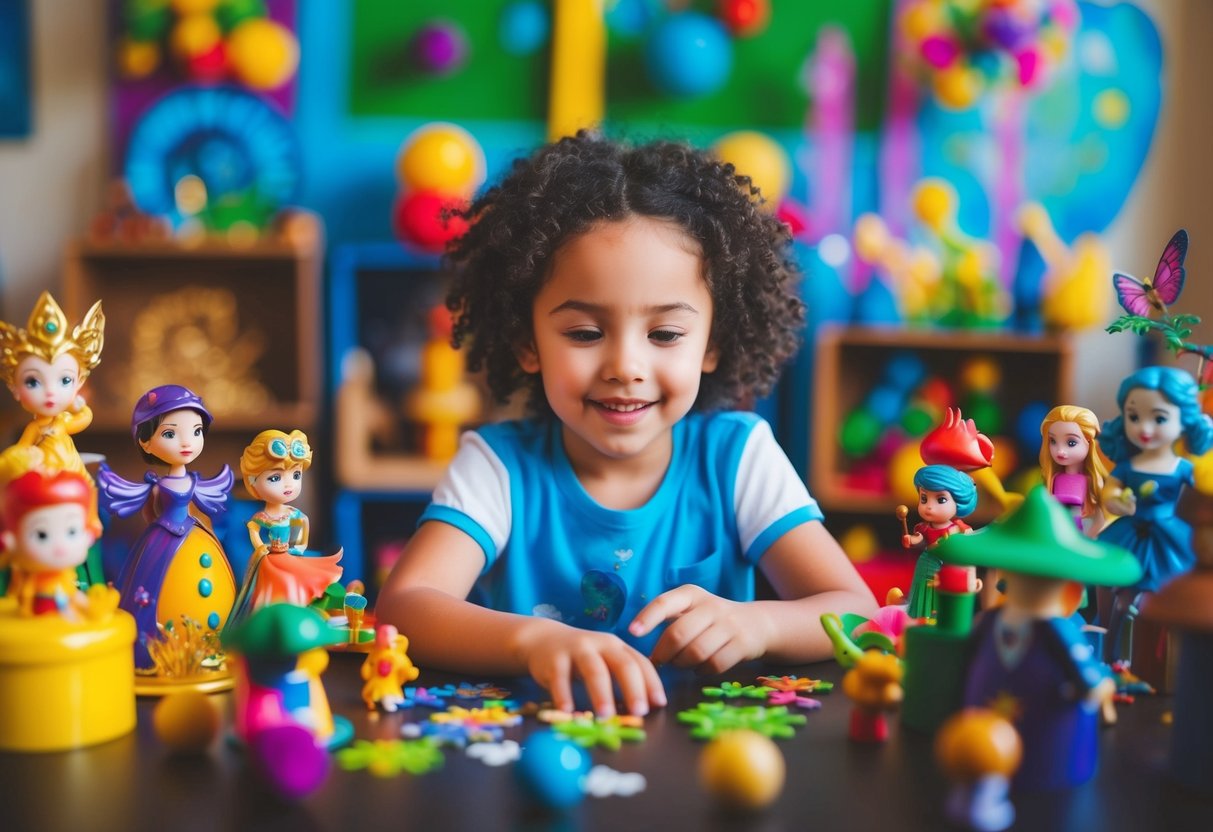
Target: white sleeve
(769, 497)
(477, 485)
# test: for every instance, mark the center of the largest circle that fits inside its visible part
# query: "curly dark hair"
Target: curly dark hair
(568, 187)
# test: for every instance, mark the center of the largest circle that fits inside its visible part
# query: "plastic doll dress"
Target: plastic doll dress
(177, 566)
(921, 602)
(1157, 538)
(284, 574)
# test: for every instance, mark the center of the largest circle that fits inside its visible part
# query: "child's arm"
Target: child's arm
(425, 597)
(810, 573)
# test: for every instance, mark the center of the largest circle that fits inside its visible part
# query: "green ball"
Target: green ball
(146, 19)
(860, 432)
(917, 420)
(985, 412)
(231, 13)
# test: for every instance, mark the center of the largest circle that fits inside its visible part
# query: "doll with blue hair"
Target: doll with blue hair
(1158, 407)
(944, 496)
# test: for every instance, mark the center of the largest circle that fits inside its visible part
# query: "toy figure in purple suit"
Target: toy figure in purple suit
(1158, 406)
(1029, 661)
(177, 567)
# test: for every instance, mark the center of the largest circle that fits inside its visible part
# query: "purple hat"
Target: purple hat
(165, 399)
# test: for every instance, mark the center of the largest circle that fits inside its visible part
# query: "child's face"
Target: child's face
(621, 337)
(935, 506)
(52, 537)
(279, 485)
(46, 389)
(1151, 422)
(1067, 445)
(178, 439)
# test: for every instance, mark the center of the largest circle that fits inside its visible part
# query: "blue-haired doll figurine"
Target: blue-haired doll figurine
(944, 496)
(177, 566)
(1158, 406)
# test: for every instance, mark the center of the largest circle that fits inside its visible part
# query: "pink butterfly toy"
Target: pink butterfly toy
(1139, 297)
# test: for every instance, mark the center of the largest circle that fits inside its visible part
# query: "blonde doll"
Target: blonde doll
(280, 570)
(1072, 464)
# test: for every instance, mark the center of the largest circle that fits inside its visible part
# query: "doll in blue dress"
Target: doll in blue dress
(177, 567)
(1158, 406)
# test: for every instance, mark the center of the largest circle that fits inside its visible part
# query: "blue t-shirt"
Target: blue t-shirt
(552, 550)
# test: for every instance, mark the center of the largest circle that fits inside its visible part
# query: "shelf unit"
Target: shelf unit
(849, 362)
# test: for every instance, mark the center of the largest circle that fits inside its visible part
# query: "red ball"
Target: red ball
(745, 18)
(419, 219)
(210, 66)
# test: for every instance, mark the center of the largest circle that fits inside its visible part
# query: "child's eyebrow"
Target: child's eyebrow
(658, 309)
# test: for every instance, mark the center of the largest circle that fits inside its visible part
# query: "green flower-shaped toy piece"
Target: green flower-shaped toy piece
(736, 690)
(609, 733)
(387, 758)
(711, 718)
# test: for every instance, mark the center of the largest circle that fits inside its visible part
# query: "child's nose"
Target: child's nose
(625, 362)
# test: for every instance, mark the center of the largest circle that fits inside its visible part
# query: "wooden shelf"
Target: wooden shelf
(849, 364)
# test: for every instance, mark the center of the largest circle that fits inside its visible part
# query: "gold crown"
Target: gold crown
(46, 336)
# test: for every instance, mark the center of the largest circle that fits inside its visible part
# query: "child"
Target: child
(629, 292)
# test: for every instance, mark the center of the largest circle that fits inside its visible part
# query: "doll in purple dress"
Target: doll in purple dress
(1072, 464)
(1158, 406)
(177, 567)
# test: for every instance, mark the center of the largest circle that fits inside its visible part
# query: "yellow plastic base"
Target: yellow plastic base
(65, 684)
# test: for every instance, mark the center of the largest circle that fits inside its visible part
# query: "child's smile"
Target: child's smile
(621, 332)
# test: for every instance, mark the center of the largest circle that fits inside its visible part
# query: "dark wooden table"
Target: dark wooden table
(833, 784)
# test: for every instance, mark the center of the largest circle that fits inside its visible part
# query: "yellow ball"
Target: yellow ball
(441, 157)
(921, 20)
(860, 543)
(981, 374)
(934, 202)
(138, 58)
(194, 35)
(186, 722)
(262, 53)
(759, 157)
(742, 769)
(957, 87)
(903, 465)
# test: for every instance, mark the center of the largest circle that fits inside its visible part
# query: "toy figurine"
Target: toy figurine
(1029, 660)
(1073, 466)
(45, 366)
(1158, 406)
(177, 567)
(280, 570)
(49, 526)
(281, 713)
(957, 442)
(444, 400)
(979, 750)
(66, 670)
(935, 656)
(386, 669)
(944, 496)
(874, 686)
(1186, 605)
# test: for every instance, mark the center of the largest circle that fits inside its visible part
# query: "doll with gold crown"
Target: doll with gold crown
(45, 365)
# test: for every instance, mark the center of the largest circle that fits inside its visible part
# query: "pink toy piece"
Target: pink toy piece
(439, 48)
(938, 51)
(289, 759)
(889, 621)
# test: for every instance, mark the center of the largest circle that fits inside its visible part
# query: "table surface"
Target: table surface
(832, 783)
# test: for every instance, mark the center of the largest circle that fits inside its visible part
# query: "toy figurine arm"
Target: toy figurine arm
(77, 420)
(211, 495)
(1118, 499)
(121, 497)
(254, 535)
(305, 528)
(1084, 672)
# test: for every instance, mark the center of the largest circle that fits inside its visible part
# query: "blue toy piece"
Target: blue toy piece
(524, 27)
(689, 55)
(235, 142)
(551, 768)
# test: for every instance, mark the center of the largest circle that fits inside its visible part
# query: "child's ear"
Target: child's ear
(528, 358)
(711, 359)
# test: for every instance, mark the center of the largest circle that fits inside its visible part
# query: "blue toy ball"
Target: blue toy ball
(1027, 426)
(629, 18)
(551, 768)
(689, 55)
(524, 27)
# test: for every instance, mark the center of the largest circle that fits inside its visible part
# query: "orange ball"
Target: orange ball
(742, 769)
(186, 722)
(263, 53)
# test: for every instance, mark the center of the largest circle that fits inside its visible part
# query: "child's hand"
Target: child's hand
(559, 652)
(707, 632)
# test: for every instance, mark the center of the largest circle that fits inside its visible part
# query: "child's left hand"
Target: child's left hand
(706, 632)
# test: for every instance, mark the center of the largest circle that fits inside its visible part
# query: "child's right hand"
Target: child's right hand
(555, 653)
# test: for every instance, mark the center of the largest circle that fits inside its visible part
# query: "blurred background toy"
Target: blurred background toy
(979, 750)
(444, 401)
(550, 770)
(742, 770)
(439, 168)
(186, 722)
(386, 669)
(874, 686)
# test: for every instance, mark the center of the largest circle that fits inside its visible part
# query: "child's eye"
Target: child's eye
(583, 336)
(665, 336)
